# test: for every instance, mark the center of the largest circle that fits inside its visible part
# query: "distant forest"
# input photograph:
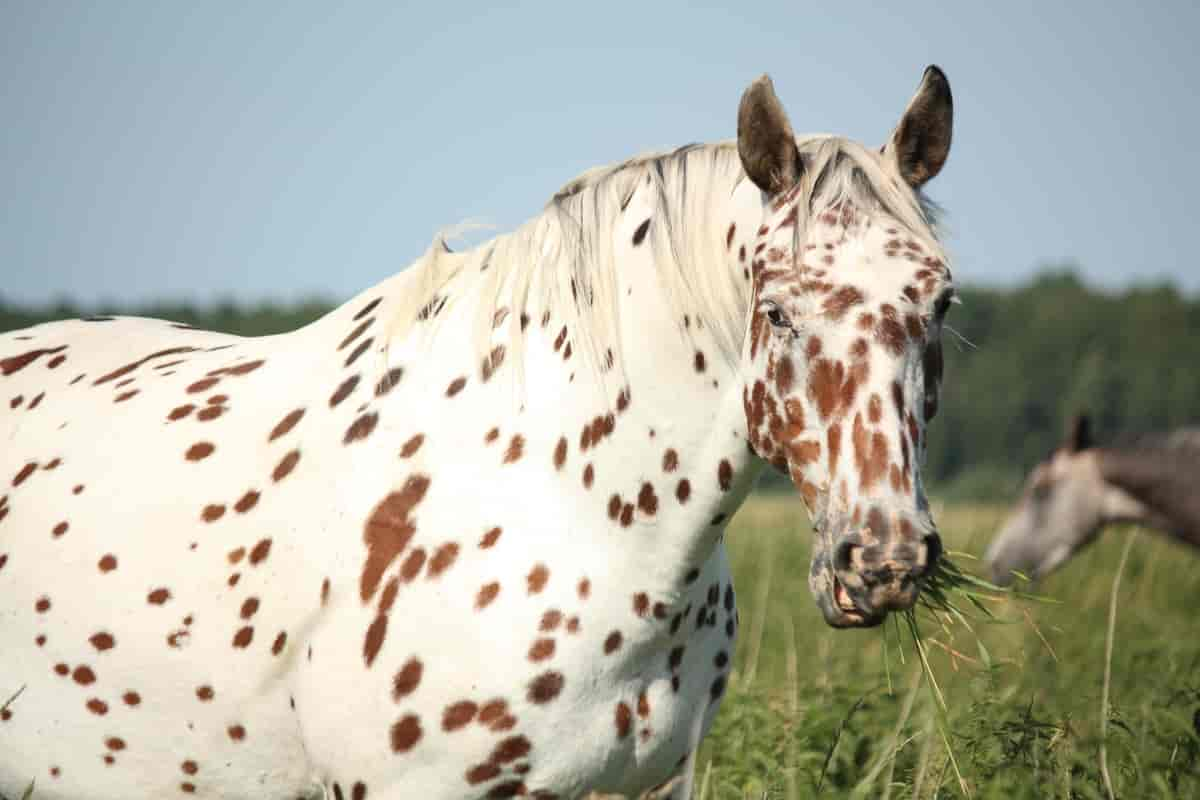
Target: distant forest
(1037, 354)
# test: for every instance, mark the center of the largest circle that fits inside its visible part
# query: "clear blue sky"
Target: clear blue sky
(193, 151)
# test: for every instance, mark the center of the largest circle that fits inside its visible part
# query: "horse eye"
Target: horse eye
(775, 317)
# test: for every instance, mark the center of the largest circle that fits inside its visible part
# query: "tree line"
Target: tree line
(1019, 363)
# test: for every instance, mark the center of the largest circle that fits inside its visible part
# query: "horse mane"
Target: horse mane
(1159, 470)
(566, 253)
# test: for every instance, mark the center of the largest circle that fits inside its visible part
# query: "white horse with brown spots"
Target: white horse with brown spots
(462, 537)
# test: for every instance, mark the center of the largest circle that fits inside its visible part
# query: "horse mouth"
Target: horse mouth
(845, 614)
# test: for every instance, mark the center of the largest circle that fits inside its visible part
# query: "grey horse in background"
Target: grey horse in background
(1152, 480)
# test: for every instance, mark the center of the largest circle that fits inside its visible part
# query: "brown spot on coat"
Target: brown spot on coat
(407, 678)
(515, 447)
(343, 391)
(489, 538)
(286, 424)
(487, 593)
(388, 531)
(442, 559)
(458, 715)
(406, 733)
(285, 466)
(545, 687)
(361, 428)
(536, 579)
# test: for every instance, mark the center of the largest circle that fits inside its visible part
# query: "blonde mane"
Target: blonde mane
(566, 252)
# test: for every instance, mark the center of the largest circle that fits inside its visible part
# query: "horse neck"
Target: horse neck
(1154, 487)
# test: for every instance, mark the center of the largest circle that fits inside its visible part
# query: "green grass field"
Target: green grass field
(814, 712)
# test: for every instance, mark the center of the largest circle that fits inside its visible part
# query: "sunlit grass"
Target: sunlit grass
(1016, 709)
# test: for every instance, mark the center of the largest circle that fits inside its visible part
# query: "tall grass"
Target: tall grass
(813, 712)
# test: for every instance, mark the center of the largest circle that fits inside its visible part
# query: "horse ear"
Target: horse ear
(1079, 434)
(765, 140)
(921, 141)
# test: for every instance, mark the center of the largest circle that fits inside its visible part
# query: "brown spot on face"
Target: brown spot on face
(683, 491)
(97, 706)
(361, 428)
(545, 687)
(236, 732)
(589, 475)
(455, 386)
(487, 593)
(190, 767)
(870, 453)
(560, 453)
(536, 579)
(107, 563)
(83, 675)
(458, 715)
(388, 531)
(60, 529)
(406, 733)
(491, 436)
(114, 743)
(205, 693)
(837, 304)
(212, 512)
(243, 637)
(102, 641)
(158, 597)
(280, 642)
(132, 699)
(121, 398)
(641, 604)
(612, 643)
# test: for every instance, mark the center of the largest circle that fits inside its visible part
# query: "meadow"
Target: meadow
(814, 712)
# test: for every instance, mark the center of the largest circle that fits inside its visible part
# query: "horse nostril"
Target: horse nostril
(933, 551)
(843, 556)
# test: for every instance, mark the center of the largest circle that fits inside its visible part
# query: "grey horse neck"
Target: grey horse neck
(1162, 472)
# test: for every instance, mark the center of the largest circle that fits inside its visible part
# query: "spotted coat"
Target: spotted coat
(348, 563)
